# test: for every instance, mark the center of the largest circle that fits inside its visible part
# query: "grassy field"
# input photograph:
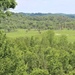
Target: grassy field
(22, 33)
(69, 33)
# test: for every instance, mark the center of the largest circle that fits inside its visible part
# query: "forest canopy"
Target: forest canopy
(37, 22)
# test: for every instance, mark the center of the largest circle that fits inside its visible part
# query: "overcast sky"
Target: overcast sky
(45, 6)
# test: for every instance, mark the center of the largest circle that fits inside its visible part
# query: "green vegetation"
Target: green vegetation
(52, 22)
(6, 4)
(35, 56)
(23, 33)
(36, 45)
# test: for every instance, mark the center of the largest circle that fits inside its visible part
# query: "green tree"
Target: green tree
(50, 36)
(6, 4)
(63, 42)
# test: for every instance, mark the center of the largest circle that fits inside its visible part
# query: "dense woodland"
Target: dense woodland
(47, 55)
(38, 21)
(34, 56)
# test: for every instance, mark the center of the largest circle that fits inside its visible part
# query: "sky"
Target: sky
(45, 6)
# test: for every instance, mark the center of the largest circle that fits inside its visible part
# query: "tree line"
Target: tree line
(12, 21)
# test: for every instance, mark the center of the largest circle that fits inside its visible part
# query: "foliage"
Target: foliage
(35, 56)
(6, 4)
(39, 72)
(48, 22)
(45, 55)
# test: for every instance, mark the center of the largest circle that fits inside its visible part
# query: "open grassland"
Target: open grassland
(24, 33)
(69, 33)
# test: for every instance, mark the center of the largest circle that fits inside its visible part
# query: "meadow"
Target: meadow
(24, 33)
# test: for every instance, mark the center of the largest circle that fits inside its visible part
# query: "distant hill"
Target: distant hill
(38, 21)
(46, 14)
